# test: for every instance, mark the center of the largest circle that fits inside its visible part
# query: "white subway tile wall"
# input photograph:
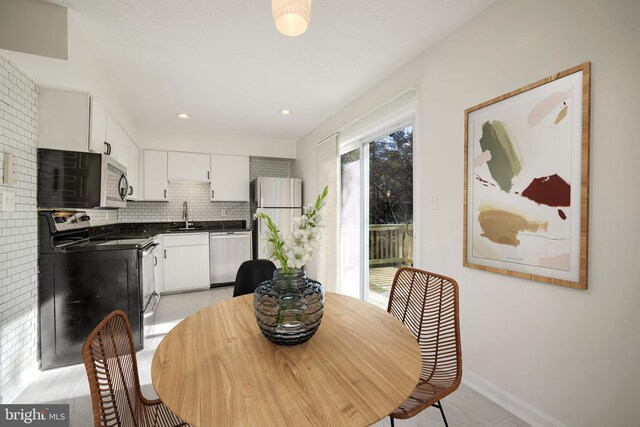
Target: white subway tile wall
(197, 197)
(18, 232)
(263, 166)
(102, 216)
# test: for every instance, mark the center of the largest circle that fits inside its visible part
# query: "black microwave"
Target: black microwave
(78, 180)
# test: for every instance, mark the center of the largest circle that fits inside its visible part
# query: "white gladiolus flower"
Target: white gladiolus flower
(301, 234)
(269, 249)
(318, 219)
(297, 257)
(296, 249)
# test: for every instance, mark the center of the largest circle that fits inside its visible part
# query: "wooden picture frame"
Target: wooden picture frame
(526, 183)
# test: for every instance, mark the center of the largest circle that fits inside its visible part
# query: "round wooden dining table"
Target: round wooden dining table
(215, 368)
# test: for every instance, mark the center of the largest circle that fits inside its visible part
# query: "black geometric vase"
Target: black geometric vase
(289, 307)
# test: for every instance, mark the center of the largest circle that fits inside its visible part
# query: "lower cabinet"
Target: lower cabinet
(186, 262)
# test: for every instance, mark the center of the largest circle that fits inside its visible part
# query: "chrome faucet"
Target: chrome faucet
(185, 214)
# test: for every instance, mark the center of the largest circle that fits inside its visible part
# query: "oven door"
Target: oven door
(149, 295)
(114, 187)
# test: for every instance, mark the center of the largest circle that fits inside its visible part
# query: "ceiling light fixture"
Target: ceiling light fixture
(286, 113)
(183, 116)
(291, 17)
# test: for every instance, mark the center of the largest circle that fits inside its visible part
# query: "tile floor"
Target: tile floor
(69, 385)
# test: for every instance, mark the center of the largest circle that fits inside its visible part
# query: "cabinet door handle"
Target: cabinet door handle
(208, 175)
(212, 194)
(131, 190)
(165, 194)
(106, 147)
(155, 260)
(165, 254)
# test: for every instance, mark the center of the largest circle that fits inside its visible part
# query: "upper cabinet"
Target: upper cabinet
(134, 175)
(229, 178)
(98, 127)
(78, 121)
(64, 120)
(189, 167)
(118, 142)
(155, 175)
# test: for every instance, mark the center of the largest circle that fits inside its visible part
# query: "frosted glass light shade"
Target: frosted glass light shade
(291, 17)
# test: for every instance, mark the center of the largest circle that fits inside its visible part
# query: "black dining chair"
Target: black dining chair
(250, 274)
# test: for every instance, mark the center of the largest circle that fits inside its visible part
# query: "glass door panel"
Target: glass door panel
(389, 229)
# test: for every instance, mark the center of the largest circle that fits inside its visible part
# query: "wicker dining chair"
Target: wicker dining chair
(427, 304)
(110, 359)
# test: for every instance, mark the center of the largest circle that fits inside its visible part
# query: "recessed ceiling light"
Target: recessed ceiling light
(286, 113)
(183, 116)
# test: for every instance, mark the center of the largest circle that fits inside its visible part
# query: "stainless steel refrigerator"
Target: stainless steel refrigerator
(281, 199)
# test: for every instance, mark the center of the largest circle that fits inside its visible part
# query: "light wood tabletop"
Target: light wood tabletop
(215, 368)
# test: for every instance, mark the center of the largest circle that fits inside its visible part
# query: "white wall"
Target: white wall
(181, 139)
(83, 71)
(572, 355)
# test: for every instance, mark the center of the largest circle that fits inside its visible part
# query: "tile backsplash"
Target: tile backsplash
(102, 216)
(197, 197)
(262, 166)
(18, 235)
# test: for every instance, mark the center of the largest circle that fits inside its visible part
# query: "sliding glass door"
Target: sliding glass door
(351, 223)
(376, 230)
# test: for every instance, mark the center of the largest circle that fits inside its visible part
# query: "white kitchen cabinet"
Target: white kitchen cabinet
(77, 121)
(64, 121)
(134, 172)
(186, 262)
(118, 141)
(155, 175)
(229, 178)
(189, 167)
(98, 128)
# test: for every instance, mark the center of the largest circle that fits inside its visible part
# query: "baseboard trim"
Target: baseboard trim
(511, 403)
(26, 378)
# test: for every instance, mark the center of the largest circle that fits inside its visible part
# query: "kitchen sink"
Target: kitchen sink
(197, 227)
(180, 227)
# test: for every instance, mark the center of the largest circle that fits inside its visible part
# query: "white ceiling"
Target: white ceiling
(224, 63)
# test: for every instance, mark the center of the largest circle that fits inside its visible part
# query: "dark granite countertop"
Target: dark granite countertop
(150, 229)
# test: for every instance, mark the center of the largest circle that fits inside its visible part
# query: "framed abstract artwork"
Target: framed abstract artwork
(527, 181)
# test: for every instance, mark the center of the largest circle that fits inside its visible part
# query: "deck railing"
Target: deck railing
(391, 244)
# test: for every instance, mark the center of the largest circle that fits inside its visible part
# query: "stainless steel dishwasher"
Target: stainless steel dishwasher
(227, 250)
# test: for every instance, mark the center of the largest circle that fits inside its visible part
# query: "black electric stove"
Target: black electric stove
(110, 243)
(82, 279)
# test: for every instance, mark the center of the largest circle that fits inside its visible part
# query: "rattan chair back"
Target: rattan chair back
(110, 360)
(427, 304)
